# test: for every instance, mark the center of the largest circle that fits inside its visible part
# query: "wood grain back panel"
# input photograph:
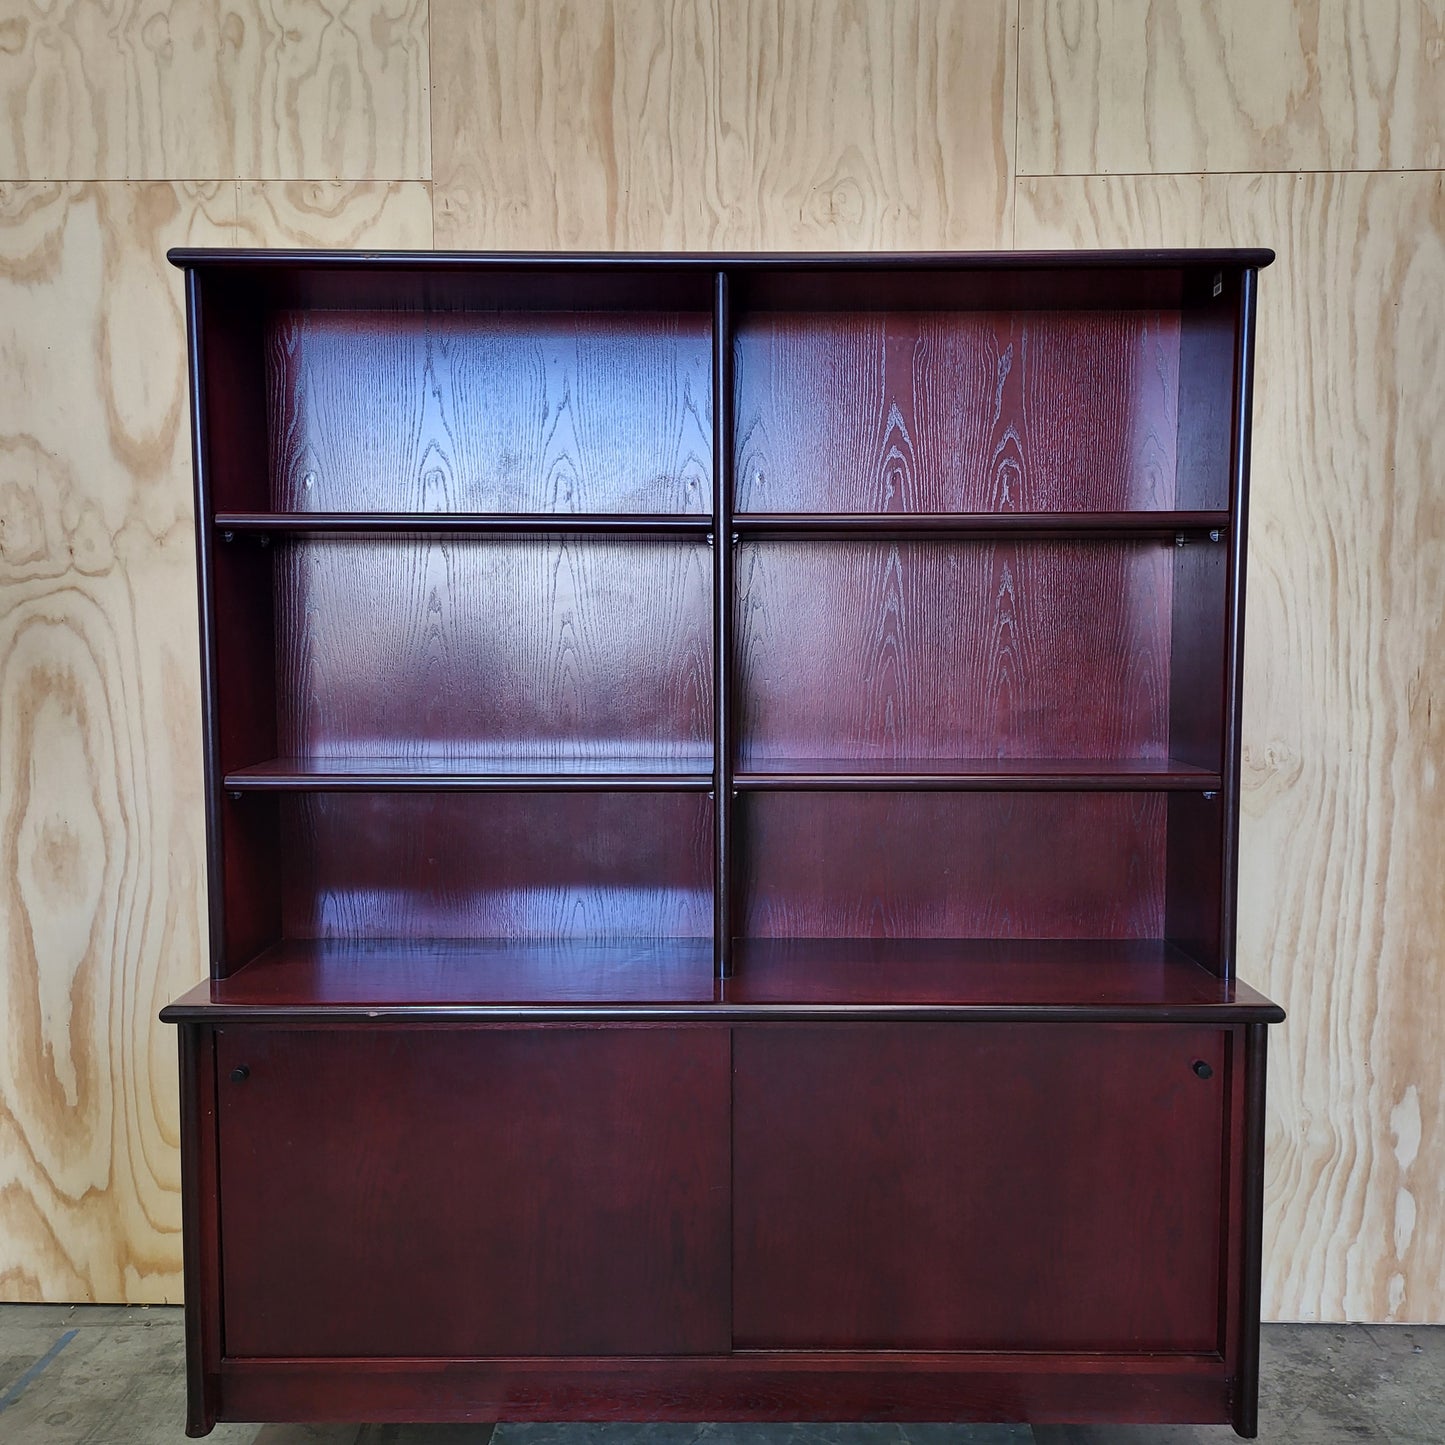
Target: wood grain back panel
(548, 867)
(545, 648)
(456, 412)
(892, 650)
(952, 865)
(961, 411)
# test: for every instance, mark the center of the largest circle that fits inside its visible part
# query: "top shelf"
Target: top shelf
(497, 523)
(1143, 525)
(982, 524)
(610, 281)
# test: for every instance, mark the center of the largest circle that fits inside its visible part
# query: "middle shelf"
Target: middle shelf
(494, 773)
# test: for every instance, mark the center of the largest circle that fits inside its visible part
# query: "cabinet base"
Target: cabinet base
(1053, 1389)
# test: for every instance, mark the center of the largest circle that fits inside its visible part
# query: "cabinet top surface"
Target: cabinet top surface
(201, 257)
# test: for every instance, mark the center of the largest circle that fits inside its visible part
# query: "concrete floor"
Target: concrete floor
(97, 1375)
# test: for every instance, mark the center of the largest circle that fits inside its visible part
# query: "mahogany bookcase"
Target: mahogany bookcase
(722, 781)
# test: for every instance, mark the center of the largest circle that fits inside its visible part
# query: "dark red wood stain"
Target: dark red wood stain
(919, 1187)
(505, 865)
(919, 411)
(722, 782)
(953, 865)
(404, 1192)
(472, 412)
(1146, 980)
(549, 649)
(901, 650)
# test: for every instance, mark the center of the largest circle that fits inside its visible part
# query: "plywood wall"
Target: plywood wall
(1317, 128)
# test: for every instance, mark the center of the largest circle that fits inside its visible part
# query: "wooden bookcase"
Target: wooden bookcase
(722, 785)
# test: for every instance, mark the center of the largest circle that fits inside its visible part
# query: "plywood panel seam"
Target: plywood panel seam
(1197, 174)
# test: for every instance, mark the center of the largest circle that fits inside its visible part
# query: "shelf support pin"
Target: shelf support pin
(1210, 795)
(235, 795)
(1216, 535)
(228, 536)
(710, 539)
(1180, 539)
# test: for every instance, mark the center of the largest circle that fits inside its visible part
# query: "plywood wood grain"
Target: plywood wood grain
(695, 124)
(170, 89)
(1142, 86)
(1342, 910)
(101, 822)
(575, 124)
(395, 214)
(853, 125)
(101, 835)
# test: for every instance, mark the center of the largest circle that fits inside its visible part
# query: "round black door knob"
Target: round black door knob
(1202, 1069)
(240, 1074)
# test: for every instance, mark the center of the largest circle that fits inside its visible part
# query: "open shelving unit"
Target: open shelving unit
(732, 648)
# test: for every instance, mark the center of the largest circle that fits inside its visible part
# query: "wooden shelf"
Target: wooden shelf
(1043, 980)
(641, 524)
(973, 774)
(492, 774)
(1140, 525)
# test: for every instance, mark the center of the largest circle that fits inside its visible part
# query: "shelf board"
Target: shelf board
(1050, 980)
(641, 524)
(1084, 977)
(1103, 525)
(478, 775)
(973, 774)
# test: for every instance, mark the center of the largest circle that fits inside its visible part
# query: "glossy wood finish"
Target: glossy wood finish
(937, 412)
(779, 1385)
(490, 772)
(1155, 522)
(543, 412)
(343, 981)
(953, 865)
(549, 649)
(548, 867)
(581, 1209)
(199, 1165)
(973, 774)
(918, 650)
(919, 1187)
(900, 817)
(438, 524)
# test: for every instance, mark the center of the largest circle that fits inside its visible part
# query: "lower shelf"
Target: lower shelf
(1102, 979)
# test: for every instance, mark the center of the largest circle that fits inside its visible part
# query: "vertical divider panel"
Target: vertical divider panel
(722, 628)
